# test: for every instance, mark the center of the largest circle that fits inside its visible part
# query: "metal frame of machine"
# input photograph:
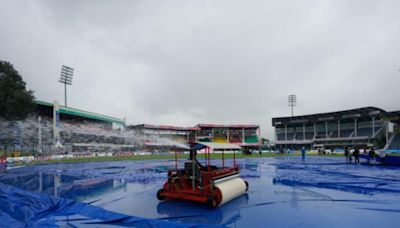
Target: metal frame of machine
(204, 184)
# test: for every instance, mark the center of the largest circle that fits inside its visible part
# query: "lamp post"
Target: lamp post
(39, 135)
(66, 79)
(292, 101)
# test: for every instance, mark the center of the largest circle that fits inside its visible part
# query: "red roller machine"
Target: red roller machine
(206, 183)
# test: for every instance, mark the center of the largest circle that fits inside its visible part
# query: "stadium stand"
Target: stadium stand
(299, 136)
(320, 135)
(309, 135)
(73, 130)
(346, 133)
(395, 143)
(220, 135)
(246, 136)
(74, 126)
(356, 127)
(290, 136)
(280, 136)
(220, 139)
(364, 132)
(251, 139)
(235, 138)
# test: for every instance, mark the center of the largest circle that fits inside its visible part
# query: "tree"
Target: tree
(16, 102)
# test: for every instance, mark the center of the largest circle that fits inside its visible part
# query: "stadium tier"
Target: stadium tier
(220, 139)
(395, 143)
(360, 127)
(69, 128)
(235, 138)
(246, 136)
(66, 130)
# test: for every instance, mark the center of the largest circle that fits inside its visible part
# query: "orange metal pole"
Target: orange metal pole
(176, 162)
(234, 158)
(209, 157)
(205, 157)
(209, 170)
(223, 159)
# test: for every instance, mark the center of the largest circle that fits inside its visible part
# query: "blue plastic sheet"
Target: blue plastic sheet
(390, 159)
(284, 192)
(19, 208)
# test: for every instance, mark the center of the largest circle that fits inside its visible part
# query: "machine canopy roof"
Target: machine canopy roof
(215, 146)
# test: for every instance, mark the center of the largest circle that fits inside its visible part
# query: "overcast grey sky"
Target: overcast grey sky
(188, 62)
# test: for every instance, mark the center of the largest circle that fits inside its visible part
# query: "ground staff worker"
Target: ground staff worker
(356, 154)
(347, 154)
(371, 155)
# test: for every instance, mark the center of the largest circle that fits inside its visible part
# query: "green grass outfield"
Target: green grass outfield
(169, 156)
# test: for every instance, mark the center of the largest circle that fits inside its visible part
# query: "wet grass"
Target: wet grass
(143, 157)
(164, 157)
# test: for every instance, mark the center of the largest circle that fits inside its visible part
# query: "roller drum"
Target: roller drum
(230, 189)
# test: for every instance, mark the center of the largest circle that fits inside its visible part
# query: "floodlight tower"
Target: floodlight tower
(292, 101)
(66, 79)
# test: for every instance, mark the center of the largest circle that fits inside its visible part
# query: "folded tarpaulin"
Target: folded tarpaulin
(19, 208)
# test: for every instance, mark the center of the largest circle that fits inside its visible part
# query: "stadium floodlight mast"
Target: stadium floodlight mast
(292, 101)
(66, 79)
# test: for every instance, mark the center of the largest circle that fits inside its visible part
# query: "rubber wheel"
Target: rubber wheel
(159, 196)
(212, 202)
(247, 185)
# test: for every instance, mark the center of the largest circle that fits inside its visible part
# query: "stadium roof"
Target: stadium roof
(196, 128)
(227, 126)
(395, 113)
(393, 116)
(346, 114)
(82, 113)
(163, 127)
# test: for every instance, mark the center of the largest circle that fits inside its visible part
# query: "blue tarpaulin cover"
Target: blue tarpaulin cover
(19, 208)
(283, 192)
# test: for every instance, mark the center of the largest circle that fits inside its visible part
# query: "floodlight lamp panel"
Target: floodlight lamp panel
(67, 67)
(65, 79)
(66, 76)
(66, 72)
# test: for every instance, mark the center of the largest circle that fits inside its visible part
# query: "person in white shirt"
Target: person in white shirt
(382, 155)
